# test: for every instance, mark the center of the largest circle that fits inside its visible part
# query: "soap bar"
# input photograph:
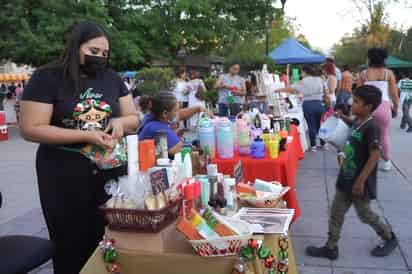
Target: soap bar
(188, 230)
(245, 188)
(218, 227)
(223, 230)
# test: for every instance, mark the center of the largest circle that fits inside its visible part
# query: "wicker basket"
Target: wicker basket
(137, 220)
(224, 246)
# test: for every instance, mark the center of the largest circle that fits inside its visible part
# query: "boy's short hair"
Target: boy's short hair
(370, 95)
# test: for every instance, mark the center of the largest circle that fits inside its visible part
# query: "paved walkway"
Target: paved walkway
(21, 212)
(316, 187)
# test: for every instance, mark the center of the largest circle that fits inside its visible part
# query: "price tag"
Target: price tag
(238, 173)
(159, 181)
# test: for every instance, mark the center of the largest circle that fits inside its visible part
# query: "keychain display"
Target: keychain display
(256, 250)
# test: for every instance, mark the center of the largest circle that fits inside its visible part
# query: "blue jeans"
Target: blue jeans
(224, 109)
(261, 106)
(313, 110)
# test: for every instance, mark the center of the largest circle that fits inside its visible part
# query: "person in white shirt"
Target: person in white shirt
(182, 88)
(197, 89)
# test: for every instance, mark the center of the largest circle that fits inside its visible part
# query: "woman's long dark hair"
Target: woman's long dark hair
(78, 34)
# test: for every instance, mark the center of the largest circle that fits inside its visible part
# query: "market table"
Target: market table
(283, 169)
(185, 262)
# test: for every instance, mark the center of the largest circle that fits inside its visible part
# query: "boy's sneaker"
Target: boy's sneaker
(386, 166)
(323, 252)
(409, 130)
(386, 247)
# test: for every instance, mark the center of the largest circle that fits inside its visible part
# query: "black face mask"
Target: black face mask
(92, 64)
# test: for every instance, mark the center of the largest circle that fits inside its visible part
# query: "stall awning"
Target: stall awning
(293, 52)
(394, 63)
(5, 77)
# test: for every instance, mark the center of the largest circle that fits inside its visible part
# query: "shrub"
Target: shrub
(211, 95)
(155, 79)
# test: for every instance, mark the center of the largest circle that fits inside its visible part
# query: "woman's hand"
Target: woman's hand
(116, 127)
(100, 138)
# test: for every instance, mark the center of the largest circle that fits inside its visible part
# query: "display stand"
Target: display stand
(182, 261)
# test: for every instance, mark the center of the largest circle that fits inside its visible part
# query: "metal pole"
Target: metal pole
(267, 27)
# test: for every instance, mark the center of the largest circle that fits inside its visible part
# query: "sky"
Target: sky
(324, 22)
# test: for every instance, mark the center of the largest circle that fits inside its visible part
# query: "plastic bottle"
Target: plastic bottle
(273, 148)
(225, 144)
(243, 137)
(229, 192)
(258, 148)
(266, 137)
(147, 154)
(207, 136)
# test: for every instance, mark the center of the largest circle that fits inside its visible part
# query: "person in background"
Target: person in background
(182, 88)
(126, 81)
(3, 94)
(384, 79)
(312, 89)
(338, 73)
(12, 90)
(69, 105)
(145, 106)
(345, 92)
(357, 180)
(231, 87)
(19, 94)
(196, 95)
(405, 86)
(284, 78)
(331, 82)
(163, 114)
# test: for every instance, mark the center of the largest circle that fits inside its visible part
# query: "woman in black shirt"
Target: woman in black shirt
(67, 105)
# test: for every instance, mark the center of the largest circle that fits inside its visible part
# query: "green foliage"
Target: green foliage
(211, 95)
(250, 55)
(32, 31)
(374, 32)
(155, 79)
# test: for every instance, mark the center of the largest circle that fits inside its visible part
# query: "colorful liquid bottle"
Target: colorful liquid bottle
(258, 148)
(225, 139)
(207, 137)
(243, 137)
(147, 154)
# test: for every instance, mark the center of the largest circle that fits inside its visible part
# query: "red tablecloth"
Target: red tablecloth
(283, 169)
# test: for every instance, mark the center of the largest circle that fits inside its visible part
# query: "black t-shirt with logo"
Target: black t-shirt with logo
(89, 109)
(363, 139)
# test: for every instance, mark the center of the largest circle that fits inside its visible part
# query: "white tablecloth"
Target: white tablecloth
(303, 127)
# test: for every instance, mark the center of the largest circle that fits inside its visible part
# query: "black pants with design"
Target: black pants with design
(71, 189)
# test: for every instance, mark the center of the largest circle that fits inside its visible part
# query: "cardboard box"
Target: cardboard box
(141, 262)
(167, 240)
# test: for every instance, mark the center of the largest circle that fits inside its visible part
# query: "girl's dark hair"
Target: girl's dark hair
(309, 69)
(180, 71)
(163, 101)
(144, 102)
(377, 56)
(76, 35)
(370, 95)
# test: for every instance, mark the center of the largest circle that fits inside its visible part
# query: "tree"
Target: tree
(374, 31)
(140, 30)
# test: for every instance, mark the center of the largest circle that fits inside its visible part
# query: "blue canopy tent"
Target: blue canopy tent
(292, 52)
(128, 74)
